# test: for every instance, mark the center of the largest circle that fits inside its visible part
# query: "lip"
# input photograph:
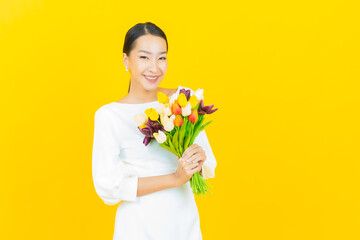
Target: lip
(151, 80)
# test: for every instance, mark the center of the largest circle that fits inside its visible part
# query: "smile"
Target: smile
(151, 79)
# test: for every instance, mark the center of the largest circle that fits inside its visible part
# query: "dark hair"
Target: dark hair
(139, 30)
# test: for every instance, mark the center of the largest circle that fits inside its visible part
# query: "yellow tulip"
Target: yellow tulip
(193, 101)
(182, 100)
(152, 114)
(162, 97)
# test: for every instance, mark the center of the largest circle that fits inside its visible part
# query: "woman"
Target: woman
(150, 183)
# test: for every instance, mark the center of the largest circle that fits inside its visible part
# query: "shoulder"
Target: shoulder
(104, 111)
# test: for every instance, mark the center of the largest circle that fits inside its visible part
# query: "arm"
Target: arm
(114, 180)
(152, 184)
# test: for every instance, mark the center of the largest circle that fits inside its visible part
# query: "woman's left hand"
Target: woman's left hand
(197, 154)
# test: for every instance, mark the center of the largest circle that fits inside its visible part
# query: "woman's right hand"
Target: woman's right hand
(187, 167)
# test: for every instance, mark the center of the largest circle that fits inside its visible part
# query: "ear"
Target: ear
(125, 60)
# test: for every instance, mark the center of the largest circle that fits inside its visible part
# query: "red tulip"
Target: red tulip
(193, 117)
(176, 108)
(178, 121)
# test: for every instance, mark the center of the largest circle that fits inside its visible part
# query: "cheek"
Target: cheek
(163, 66)
(139, 66)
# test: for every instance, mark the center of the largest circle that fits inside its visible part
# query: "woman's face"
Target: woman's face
(147, 59)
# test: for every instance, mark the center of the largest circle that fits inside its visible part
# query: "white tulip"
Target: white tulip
(186, 111)
(166, 109)
(160, 136)
(173, 98)
(159, 108)
(163, 118)
(169, 125)
(141, 119)
(167, 122)
(199, 93)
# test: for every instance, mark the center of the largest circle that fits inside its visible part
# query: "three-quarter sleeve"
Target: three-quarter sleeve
(114, 180)
(208, 168)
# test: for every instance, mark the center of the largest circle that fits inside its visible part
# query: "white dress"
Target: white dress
(119, 158)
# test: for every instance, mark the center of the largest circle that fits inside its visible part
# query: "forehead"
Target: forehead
(150, 44)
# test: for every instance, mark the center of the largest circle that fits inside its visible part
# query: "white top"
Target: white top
(119, 158)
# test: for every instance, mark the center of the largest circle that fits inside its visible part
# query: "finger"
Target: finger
(191, 171)
(183, 162)
(195, 170)
(194, 158)
(194, 150)
(191, 166)
(187, 150)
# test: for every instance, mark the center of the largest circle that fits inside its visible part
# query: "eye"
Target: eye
(143, 56)
(164, 58)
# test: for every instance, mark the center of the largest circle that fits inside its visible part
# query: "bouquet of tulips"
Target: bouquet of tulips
(175, 123)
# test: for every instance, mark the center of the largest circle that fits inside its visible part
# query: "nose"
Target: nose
(153, 66)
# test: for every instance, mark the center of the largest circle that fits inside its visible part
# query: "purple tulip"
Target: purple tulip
(151, 128)
(146, 140)
(202, 110)
(186, 92)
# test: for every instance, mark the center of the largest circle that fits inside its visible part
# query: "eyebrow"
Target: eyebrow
(150, 52)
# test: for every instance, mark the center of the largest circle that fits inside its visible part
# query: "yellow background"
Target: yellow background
(284, 75)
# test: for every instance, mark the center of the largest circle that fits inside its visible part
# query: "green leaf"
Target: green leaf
(198, 131)
(168, 148)
(198, 123)
(203, 126)
(187, 141)
(175, 141)
(182, 134)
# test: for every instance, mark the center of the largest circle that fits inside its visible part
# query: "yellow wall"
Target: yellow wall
(284, 75)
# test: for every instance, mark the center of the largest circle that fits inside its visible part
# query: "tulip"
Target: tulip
(172, 117)
(176, 108)
(152, 114)
(178, 121)
(193, 101)
(186, 111)
(163, 118)
(148, 134)
(199, 93)
(166, 109)
(187, 93)
(162, 97)
(141, 119)
(206, 109)
(151, 127)
(193, 117)
(173, 98)
(167, 122)
(160, 136)
(182, 100)
(169, 126)
(159, 108)
(154, 126)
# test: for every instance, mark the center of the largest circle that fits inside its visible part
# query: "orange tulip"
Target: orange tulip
(176, 108)
(178, 121)
(193, 117)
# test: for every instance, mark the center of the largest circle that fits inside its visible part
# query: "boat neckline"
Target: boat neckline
(145, 102)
